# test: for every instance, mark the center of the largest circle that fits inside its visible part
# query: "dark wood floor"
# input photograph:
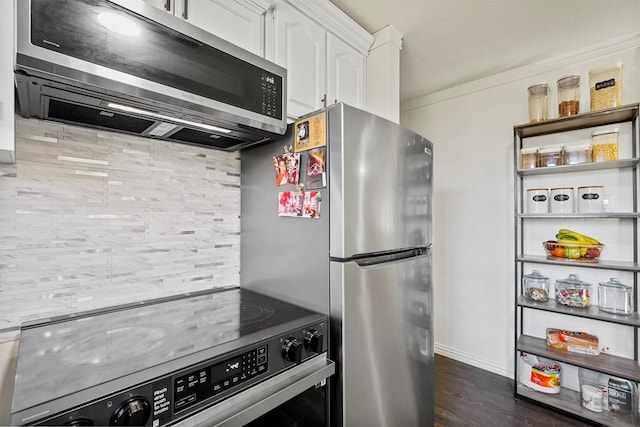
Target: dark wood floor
(469, 396)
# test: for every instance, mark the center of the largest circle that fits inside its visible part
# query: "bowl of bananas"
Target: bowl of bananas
(573, 246)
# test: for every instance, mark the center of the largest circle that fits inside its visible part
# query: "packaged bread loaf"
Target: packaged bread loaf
(575, 342)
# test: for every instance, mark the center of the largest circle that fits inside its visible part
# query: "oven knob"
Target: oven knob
(133, 412)
(313, 341)
(292, 350)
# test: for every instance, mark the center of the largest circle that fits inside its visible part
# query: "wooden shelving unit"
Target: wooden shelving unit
(568, 400)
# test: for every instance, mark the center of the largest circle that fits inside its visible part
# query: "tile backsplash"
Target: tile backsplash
(90, 219)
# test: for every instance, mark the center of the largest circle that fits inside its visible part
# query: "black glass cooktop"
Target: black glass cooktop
(72, 353)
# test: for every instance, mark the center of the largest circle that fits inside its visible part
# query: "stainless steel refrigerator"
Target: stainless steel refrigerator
(365, 261)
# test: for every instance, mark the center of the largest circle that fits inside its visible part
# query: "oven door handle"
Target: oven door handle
(259, 399)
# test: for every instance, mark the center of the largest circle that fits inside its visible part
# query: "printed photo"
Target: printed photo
(293, 166)
(303, 131)
(305, 204)
(289, 203)
(282, 170)
(316, 175)
(311, 204)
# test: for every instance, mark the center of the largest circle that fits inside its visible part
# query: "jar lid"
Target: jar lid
(614, 283)
(600, 69)
(568, 82)
(562, 188)
(578, 147)
(537, 189)
(535, 276)
(529, 150)
(573, 280)
(538, 89)
(546, 150)
(604, 132)
(590, 186)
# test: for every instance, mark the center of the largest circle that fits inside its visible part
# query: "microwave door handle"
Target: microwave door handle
(167, 5)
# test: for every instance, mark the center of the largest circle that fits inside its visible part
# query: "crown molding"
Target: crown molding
(630, 41)
(259, 7)
(387, 35)
(335, 21)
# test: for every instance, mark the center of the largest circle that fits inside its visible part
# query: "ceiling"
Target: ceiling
(450, 42)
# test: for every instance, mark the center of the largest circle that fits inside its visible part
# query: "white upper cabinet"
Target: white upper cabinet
(323, 50)
(345, 73)
(162, 4)
(236, 21)
(299, 45)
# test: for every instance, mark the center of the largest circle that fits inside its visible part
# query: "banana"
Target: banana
(566, 235)
(574, 242)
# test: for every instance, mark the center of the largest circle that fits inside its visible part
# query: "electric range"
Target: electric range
(158, 362)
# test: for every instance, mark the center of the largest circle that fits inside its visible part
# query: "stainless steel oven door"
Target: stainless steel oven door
(256, 401)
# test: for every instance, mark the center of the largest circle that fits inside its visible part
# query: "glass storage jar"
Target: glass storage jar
(568, 96)
(535, 286)
(529, 158)
(573, 292)
(538, 102)
(550, 156)
(604, 145)
(615, 297)
(605, 86)
(577, 154)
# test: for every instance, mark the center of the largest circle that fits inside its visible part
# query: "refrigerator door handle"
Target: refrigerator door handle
(386, 257)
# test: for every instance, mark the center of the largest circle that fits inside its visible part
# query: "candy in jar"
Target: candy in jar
(573, 292)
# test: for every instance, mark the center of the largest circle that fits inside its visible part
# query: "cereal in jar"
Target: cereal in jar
(604, 145)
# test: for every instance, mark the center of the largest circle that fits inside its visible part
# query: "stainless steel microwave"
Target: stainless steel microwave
(127, 66)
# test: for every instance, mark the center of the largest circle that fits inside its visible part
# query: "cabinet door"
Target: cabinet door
(167, 5)
(345, 73)
(299, 45)
(229, 20)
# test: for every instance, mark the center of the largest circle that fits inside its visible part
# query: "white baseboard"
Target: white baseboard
(473, 360)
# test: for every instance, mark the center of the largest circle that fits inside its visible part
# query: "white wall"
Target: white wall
(471, 127)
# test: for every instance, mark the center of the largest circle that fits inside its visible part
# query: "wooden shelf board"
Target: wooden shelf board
(569, 401)
(599, 215)
(602, 264)
(591, 312)
(609, 364)
(580, 121)
(613, 164)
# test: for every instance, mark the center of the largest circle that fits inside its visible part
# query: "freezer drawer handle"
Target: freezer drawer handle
(386, 257)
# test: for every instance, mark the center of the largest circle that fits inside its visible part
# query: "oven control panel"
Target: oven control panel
(199, 385)
(175, 395)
